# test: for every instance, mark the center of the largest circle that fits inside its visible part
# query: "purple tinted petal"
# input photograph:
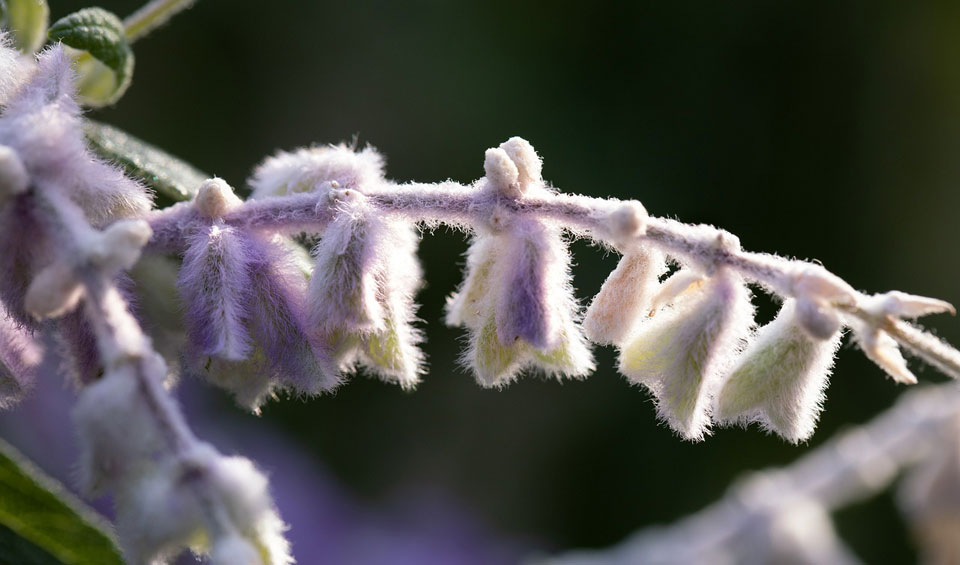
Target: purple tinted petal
(278, 322)
(524, 311)
(215, 285)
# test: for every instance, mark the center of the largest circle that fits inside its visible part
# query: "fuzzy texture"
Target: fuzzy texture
(25, 247)
(41, 122)
(20, 357)
(243, 311)
(532, 272)
(682, 352)
(516, 299)
(625, 296)
(780, 379)
(466, 306)
(109, 453)
(365, 277)
(13, 69)
(158, 514)
(304, 170)
(366, 272)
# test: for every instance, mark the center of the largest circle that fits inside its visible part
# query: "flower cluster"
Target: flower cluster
(314, 278)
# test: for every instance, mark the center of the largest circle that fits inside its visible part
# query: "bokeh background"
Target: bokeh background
(822, 130)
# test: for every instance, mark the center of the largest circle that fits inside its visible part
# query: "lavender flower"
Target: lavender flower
(244, 310)
(516, 298)
(365, 272)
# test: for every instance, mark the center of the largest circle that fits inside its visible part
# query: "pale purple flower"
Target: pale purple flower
(244, 310)
(516, 298)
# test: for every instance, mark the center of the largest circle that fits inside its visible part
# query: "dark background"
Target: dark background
(826, 130)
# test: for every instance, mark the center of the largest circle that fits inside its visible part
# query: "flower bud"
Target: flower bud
(681, 353)
(625, 297)
(779, 379)
(628, 221)
(524, 156)
(55, 291)
(502, 173)
(215, 198)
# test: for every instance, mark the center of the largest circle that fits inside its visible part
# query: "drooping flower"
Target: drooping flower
(365, 271)
(625, 297)
(516, 299)
(682, 352)
(362, 291)
(244, 308)
(779, 380)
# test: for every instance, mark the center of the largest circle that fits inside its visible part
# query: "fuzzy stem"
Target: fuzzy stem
(856, 464)
(121, 340)
(151, 16)
(462, 206)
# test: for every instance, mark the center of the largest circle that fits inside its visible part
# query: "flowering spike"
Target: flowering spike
(681, 353)
(625, 297)
(779, 380)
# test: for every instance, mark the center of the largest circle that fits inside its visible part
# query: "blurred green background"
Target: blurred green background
(826, 130)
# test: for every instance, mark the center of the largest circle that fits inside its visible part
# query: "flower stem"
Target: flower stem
(151, 16)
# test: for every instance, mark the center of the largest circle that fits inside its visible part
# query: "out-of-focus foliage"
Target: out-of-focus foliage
(41, 523)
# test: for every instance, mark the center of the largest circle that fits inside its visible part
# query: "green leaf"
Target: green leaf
(27, 19)
(40, 519)
(167, 175)
(105, 70)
